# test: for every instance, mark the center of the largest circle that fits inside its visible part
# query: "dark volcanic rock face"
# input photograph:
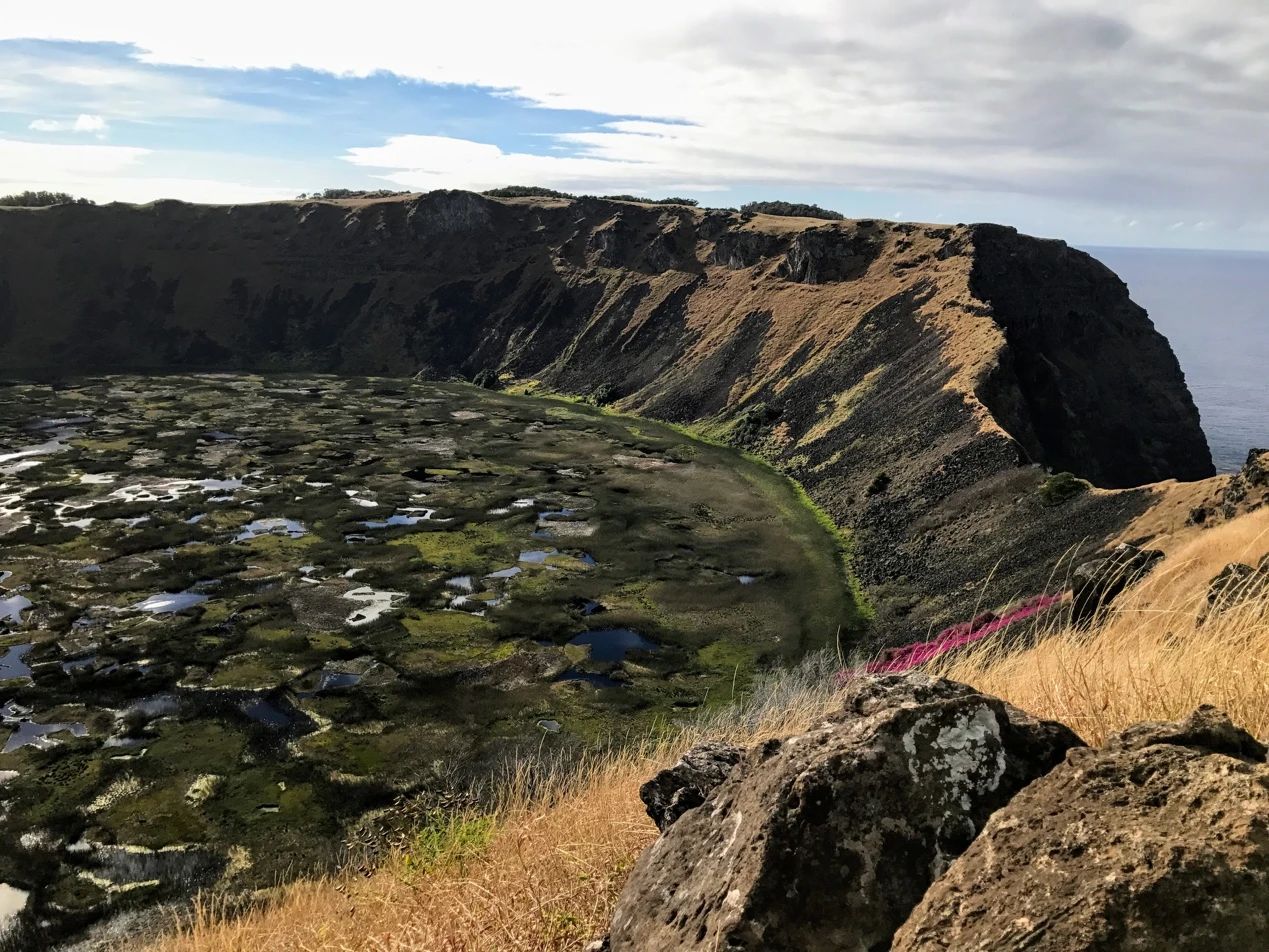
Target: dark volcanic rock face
(1079, 352)
(906, 374)
(820, 255)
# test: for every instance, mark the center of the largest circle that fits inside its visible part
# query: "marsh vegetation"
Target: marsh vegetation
(240, 614)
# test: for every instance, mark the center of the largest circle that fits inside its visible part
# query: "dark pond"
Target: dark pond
(612, 644)
(12, 665)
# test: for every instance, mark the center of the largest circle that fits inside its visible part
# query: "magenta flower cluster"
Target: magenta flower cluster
(895, 660)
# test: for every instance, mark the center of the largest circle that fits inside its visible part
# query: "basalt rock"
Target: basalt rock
(1248, 490)
(865, 696)
(1208, 729)
(1237, 584)
(1041, 291)
(1047, 741)
(827, 840)
(1098, 582)
(1160, 840)
(677, 789)
(744, 249)
(821, 255)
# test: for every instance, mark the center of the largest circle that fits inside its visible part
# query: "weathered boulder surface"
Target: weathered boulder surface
(1098, 582)
(1046, 741)
(865, 696)
(1160, 840)
(828, 839)
(677, 789)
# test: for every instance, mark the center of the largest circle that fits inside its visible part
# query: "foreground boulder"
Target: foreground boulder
(827, 840)
(1160, 840)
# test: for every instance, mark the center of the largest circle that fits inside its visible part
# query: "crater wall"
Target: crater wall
(917, 379)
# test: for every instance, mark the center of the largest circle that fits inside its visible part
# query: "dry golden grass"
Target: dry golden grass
(560, 846)
(1150, 659)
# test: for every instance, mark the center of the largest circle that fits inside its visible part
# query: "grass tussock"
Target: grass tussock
(543, 871)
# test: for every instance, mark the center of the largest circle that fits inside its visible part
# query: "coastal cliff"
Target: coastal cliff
(917, 379)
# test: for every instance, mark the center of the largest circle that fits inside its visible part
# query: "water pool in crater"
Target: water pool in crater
(612, 644)
(12, 607)
(166, 603)
(11, 664)
(317, 588)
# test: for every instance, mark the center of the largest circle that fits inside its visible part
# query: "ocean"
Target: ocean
(1214, 308)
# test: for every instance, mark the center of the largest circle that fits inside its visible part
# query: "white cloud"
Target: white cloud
(113, 173)
(84, 122)
(427, 162)
(38, 162)
(149, 188)
(81, 79)
(1119, 105)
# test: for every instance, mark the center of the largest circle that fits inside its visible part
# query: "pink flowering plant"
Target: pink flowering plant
(896, 660)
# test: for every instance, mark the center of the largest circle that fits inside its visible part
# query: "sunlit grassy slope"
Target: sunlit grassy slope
(542, 872)
(1150, 659)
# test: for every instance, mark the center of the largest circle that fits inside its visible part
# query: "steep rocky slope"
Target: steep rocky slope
(907, 374)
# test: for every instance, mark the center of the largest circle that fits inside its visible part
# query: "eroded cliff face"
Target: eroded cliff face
(909, 375)
(1098, 384)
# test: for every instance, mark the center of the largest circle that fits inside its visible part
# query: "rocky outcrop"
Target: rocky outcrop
(821, 255)
(914, 378)
(1238, 584)
(1060, 309)
(828, 839)
(1098, 582)
(1158, 841)
(744, 248)
(1249, 488)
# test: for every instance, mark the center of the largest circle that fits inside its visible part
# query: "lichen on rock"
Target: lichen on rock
(1159, 840)
(828, 839)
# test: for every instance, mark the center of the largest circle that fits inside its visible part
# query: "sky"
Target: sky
(1104, 122)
